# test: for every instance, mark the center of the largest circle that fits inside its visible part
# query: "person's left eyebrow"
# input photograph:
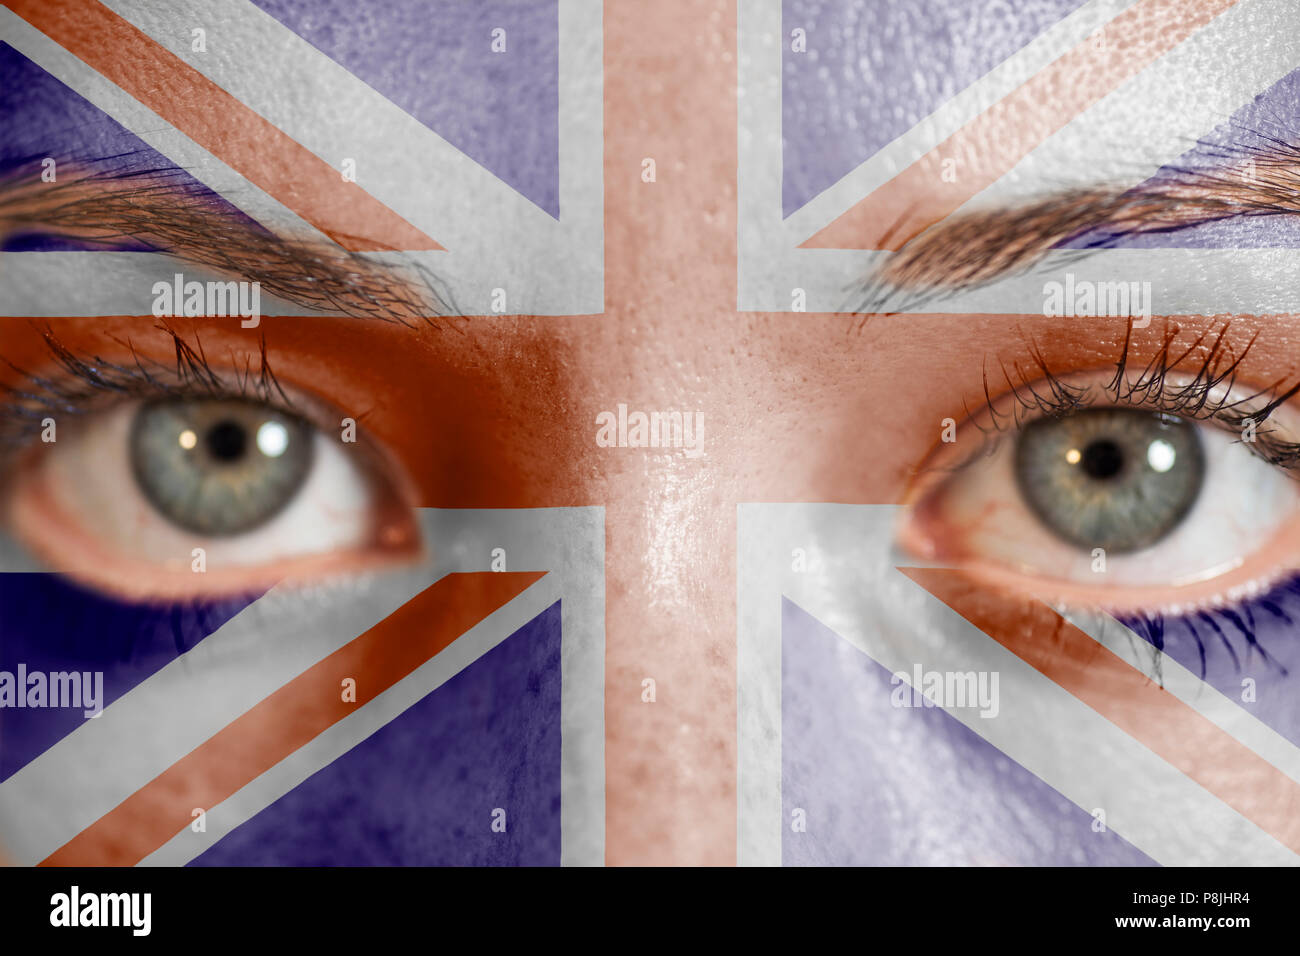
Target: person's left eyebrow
(977, 247)
(169, 212)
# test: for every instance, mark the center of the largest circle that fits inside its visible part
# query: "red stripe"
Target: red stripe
(222, 125)
(291, 717)
(1129, 699)
(995, 141)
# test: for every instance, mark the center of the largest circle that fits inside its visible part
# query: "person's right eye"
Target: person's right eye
(1123, 506)
(182, 496)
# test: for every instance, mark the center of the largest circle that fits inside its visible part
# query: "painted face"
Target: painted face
(524, 433)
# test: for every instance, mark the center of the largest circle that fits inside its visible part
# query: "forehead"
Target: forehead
(498, 142)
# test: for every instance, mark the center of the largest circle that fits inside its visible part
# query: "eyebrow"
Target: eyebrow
(971, 249)
(109, 201)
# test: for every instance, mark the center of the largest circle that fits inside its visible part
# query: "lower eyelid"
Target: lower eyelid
(1261, 565)
(47, 502)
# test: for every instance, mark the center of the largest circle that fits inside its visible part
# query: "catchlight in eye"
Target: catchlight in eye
(1113, 478)
(1118, 506)
(218, 467)
(176, 497)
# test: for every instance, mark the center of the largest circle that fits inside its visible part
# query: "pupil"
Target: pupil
(1102, 459)
(226, 441)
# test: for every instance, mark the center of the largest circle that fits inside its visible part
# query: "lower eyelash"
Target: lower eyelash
(1235, 630)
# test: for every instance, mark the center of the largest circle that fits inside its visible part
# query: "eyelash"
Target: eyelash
(1039, 392)
(86, 379)
(1221, 622)
(1207, 397)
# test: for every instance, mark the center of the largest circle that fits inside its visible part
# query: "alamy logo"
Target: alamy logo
(194, 299)
(1075, 297)
(75, 908)
(24, 688)
(948, 689)
(626, 429)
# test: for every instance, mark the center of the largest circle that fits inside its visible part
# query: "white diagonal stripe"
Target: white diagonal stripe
(950, 116)
(106, 759)
(93, 769)
(1147, 121)
(860, 596)
(1216, 707)
(1157, 115)
(137, 118)
(342, 736)
(494, 237)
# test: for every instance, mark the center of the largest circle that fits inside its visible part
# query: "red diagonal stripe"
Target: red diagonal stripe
(291, 717)
(996, 140)
(222, 125)
(1129, 699)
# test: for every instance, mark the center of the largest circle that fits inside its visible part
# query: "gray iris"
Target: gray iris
(1113, 478)
(218, 467)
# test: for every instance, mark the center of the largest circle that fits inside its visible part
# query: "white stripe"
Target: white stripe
(860, 596)
(72, 284)
(100, 764)
(137, 118)
(1149, 120)
(341, 737)
(1183, 281)
(105, 760)
(767, 241)
(1156, 116)
(494, 236)
(582, 142)
(1221, 710)
(951, 116)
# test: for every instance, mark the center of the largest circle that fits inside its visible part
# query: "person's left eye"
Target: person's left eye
(1121, 507)
(178, 497)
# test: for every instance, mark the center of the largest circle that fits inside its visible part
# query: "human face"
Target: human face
(745, 604)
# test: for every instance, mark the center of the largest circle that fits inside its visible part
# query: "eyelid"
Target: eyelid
(1225, 407)
(55, 538)
(73, 385)
(918, 536)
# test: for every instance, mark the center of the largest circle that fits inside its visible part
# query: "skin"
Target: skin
(499, 412)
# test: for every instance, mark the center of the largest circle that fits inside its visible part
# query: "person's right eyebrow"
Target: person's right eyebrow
(973, 248)
(167, 211)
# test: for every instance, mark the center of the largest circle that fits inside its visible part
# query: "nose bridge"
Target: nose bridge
(666, 346)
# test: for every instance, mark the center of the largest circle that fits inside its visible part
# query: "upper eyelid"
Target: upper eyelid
(74, 385)
(1267, 446)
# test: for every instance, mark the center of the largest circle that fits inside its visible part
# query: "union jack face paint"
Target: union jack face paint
(787, 432)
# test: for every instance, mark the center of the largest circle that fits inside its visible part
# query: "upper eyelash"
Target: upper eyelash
(85, 378)
(1207, 396)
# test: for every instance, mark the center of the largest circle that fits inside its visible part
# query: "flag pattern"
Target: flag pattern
(504, 717)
